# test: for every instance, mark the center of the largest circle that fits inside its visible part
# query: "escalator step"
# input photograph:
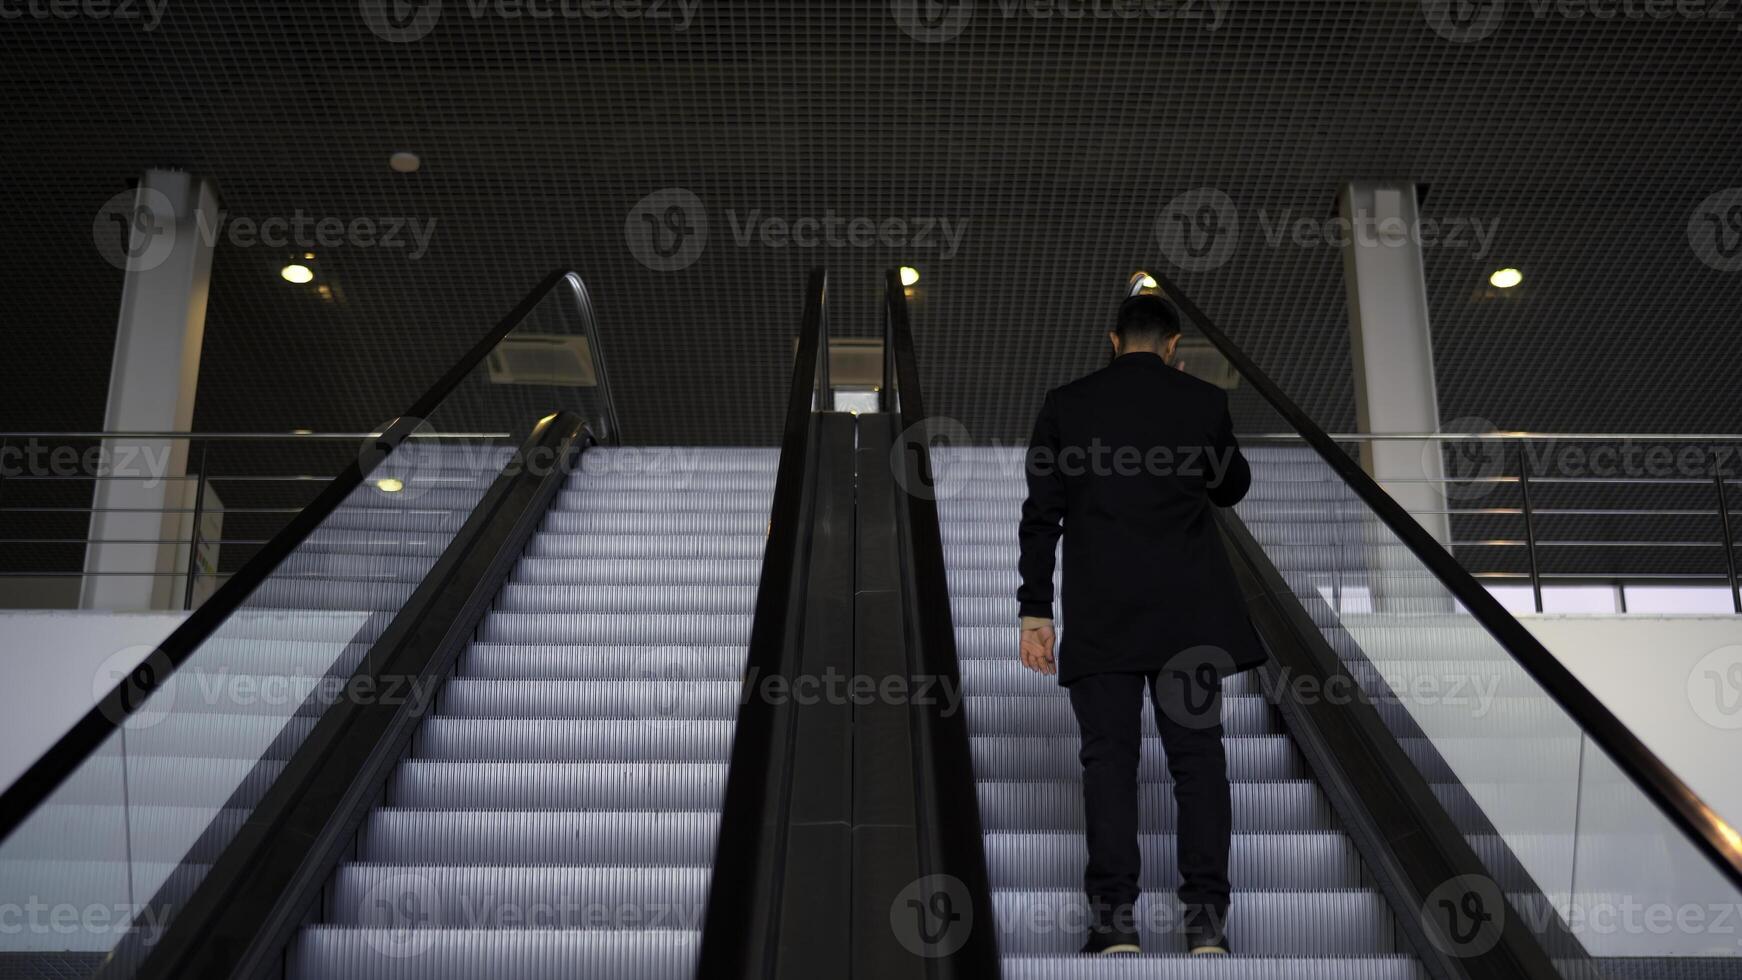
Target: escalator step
(557, 786)
(1259, 758)
(1152, 967)
(329, 953)
(562, 740)
(628, 701)
(592, 522)
(648, 548)
(739, 482)
(629, 571)
(994, 715)
(534, 661)
(1261, 923)
(504, 897)
(1057, 805)
(608, 628)
(740, 599)
(538, 837)
(643, 501)
(1268, 861)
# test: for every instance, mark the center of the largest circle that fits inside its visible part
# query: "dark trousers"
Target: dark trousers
(1188, 711)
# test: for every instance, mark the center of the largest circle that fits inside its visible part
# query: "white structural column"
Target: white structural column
(131, 560)
(1392, 346)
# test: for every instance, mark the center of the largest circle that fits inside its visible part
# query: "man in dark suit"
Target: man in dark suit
(1127, 465)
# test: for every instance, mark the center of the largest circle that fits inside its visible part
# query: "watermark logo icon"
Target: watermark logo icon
(1188, 690)
(1464, 916)
(1198, 230)
(1715, 230)
(1471, 467)
(411, 911)
(920, 468)
(142, 678)
(1464, 21)
(134, 231)
(400, 474)
(401, 21)
(933, 916)
(932, 21)
(669, 680)
(667, 230)
(1715, 688)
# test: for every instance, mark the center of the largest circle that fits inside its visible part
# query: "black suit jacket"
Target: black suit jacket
(1127, 464)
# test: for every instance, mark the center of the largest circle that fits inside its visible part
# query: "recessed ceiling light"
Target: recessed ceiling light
(1143, 280)
(310, 256)
(909, 275)
(297, 273)
(405, 163)
(389, 485)
(302, 432)
(1506, 278)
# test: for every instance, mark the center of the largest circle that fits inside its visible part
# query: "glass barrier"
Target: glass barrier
(102, 865)
(1582, 852)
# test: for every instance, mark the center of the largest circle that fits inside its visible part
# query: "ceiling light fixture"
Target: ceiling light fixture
(389, 485)
(1505, 278)
(405, 163)
(909, 275)
(298, 274)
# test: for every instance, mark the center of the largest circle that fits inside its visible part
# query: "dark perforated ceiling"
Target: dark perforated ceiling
(1051, 144)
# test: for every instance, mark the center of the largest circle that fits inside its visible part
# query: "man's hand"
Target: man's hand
(1037, 645)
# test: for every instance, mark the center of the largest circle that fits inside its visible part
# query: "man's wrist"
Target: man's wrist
(1036, 622)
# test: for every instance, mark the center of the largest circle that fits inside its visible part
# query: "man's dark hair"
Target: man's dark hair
(1147, 320)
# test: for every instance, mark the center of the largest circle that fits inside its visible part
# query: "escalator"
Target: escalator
(1387, 824)
(546, 716)
(576, 760)
(202, 757)
(1300, 896)
(512, 672)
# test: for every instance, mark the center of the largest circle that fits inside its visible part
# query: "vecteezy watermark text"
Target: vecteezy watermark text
(37, 916)
(1200, 229)
(147, 462)
(1474, 468)
(404, 21)
(936, 21)
(146, 13)
(136, 231)
(1468, 21)
(668, 230)
(833, 687)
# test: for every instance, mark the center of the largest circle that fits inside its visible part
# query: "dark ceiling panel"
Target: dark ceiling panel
(1053, 144)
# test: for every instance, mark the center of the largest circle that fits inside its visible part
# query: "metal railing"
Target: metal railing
(49, 536)
(1687, 480)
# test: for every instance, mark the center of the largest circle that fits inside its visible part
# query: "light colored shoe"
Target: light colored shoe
(1209, 951)
(1122, 949)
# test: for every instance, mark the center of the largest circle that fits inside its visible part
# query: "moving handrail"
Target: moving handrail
(743, 908)
(111, 712)
(952, 843)
(1720, 843)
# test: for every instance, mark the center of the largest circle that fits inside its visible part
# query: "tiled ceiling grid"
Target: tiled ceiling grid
(1053, 144)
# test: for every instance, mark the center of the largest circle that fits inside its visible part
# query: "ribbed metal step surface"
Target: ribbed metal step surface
(205, 748)
(1302, 909)
(556, 814)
